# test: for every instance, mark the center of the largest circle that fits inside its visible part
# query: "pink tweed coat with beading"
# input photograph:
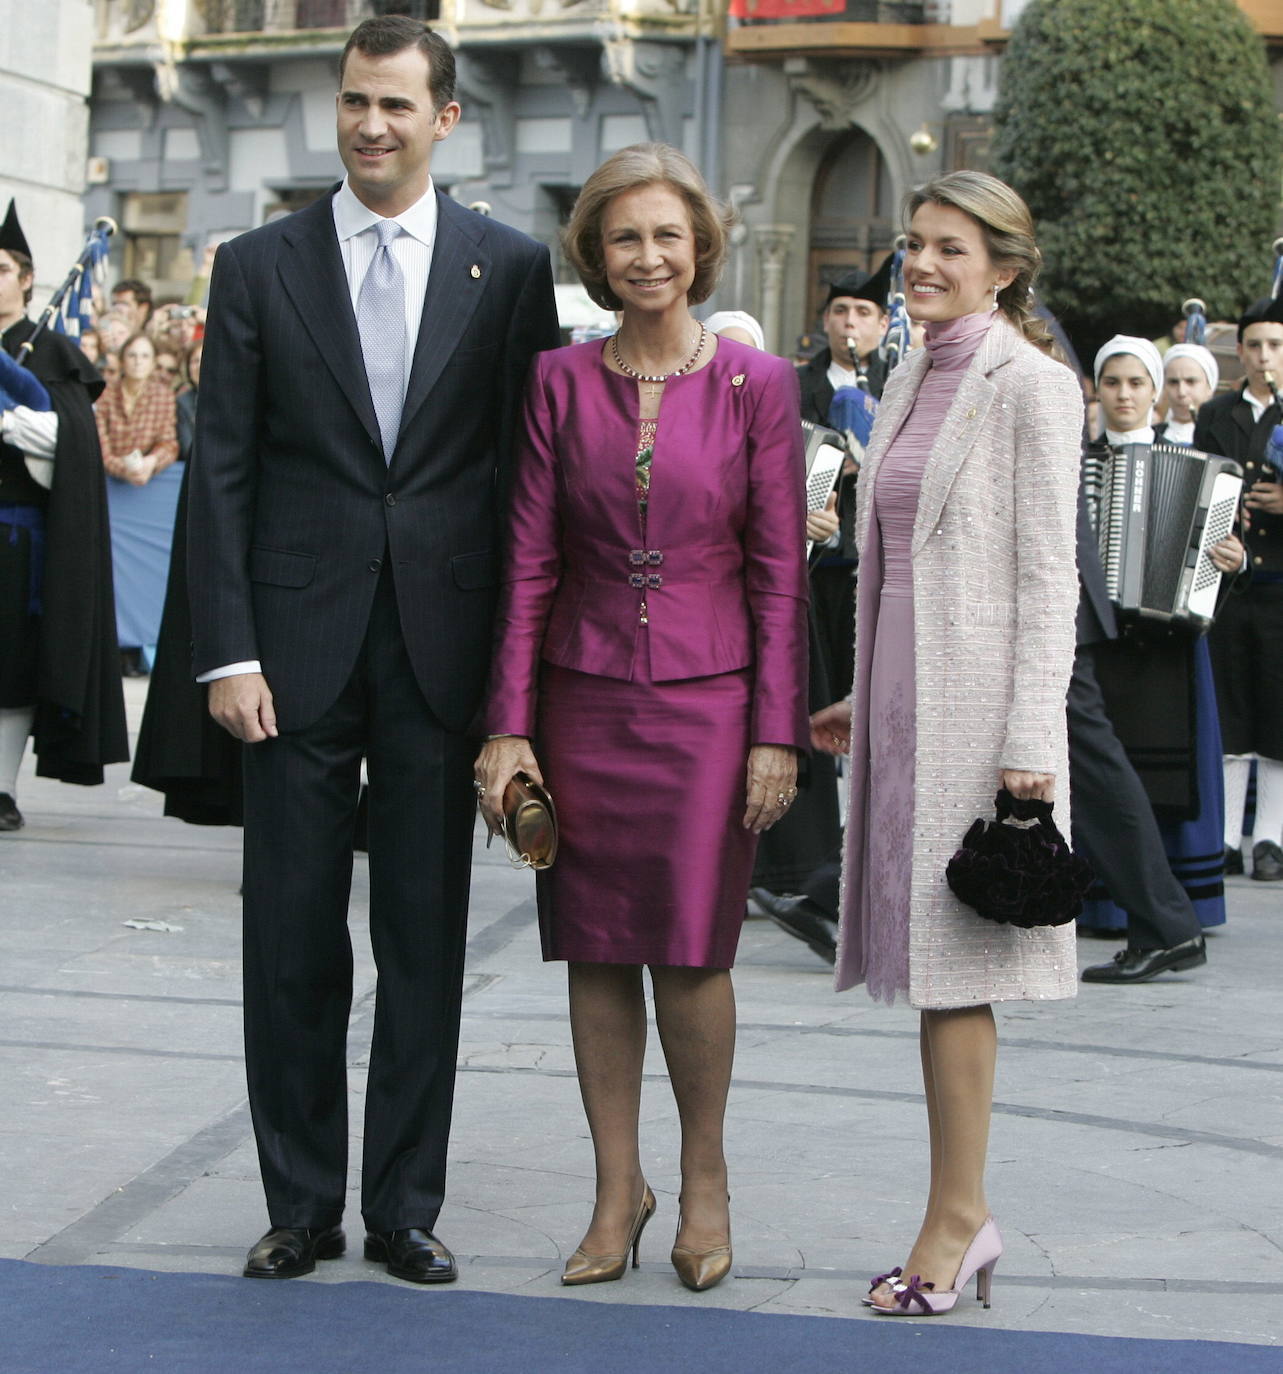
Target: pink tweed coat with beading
(995, 591)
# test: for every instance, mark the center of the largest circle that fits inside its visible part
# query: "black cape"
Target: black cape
(182, 752)
(80, 706)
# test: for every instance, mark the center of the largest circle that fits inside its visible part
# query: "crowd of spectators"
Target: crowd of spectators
(148, 351)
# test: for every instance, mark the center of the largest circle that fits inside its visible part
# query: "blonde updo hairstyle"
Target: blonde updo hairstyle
(646, 164)
(1008, 231)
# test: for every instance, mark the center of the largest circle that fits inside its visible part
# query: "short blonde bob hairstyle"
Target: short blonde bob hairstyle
(647, 164)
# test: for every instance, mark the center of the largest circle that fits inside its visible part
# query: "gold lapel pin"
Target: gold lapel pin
(476, 272)
(738, 379)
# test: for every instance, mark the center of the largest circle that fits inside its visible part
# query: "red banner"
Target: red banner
(784, 9)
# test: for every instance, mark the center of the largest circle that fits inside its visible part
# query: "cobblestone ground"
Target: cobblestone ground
(1136, 1153)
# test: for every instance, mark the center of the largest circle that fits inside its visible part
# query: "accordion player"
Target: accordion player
(1157, 509)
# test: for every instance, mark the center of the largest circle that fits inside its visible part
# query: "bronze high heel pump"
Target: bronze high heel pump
(700, 1269)
(582, 1267)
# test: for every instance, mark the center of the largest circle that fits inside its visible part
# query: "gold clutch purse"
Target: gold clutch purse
(529, 824)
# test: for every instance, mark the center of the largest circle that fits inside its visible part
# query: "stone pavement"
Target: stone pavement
(1137, 1150)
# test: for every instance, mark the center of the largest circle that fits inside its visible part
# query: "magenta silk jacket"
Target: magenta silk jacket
(723, 570)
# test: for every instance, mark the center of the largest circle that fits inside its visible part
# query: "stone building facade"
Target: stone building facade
(45, 69)
(829, 119)
(211, 116)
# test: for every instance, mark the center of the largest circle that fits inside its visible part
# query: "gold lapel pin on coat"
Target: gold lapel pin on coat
(476, 272)
(738, 379)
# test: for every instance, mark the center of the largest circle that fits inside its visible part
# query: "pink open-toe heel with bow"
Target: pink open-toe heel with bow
(913, 1298)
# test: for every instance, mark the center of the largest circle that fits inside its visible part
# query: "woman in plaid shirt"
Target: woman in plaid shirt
(136, 417)
(138, 427)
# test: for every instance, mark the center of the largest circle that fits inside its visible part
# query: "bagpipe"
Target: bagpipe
(1274, 444)
(853, 408)
(71, 311)
(895, 338)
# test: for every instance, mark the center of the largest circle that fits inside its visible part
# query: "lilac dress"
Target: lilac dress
(889, 712)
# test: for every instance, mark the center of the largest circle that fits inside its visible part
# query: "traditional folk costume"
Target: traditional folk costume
(59, 670)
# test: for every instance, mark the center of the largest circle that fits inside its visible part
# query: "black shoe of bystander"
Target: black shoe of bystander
(1267, 862)
(802, 919)
(1140, 965)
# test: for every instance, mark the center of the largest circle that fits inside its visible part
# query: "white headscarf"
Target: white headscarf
(1198, 354)
(724, 319)
(1141, 349)
(1151, 360)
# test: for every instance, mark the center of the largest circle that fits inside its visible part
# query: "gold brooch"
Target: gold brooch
(738, 379)
(476, 272)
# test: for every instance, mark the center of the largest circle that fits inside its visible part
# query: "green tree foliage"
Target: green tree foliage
(1143, 135)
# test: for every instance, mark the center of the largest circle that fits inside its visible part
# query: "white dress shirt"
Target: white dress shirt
(840, 376)
(412, 248)
(1258, 406)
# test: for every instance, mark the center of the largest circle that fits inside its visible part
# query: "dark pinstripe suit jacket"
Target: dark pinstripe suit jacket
(292, 508)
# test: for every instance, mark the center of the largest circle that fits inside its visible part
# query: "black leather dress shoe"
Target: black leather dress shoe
(287, 1252)
(802, 919)
(412, 1253)
(1233, 862)
(1139, 965)
(10, 816)
(1267, 862)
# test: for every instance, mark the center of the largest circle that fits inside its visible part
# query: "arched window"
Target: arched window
(853, 217)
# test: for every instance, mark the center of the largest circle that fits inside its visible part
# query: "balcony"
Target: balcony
(774, 29)
(133, 23)
(513, 22)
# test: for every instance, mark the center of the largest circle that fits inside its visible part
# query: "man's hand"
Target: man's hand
(822, 525)
(1227, 555)
(242, 705)
(1265, 496)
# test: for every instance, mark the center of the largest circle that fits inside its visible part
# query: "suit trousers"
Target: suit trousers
(301, 792)
(1113, 822)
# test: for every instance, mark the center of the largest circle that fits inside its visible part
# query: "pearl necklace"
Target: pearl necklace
(662, 377)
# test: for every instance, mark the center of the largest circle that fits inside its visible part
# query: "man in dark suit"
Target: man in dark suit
(362, 369)
(1246, 642)
(854, 319)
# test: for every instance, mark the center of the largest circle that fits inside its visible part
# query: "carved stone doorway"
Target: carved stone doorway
(853, 217)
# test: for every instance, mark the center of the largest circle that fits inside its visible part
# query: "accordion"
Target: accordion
(1156, 510)
(825, 454)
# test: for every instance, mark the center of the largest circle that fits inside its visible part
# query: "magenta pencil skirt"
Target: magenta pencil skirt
(649, 783)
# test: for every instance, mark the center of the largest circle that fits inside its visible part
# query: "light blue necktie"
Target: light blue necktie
(380, 320)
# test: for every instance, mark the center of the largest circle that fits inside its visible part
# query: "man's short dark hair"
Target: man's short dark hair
(140, 291)
(394, 33)
(26, 268)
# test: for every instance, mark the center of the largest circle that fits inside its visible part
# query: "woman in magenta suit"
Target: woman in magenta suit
(651, 654)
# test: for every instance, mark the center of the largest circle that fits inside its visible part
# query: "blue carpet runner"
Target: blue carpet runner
(95, 1320)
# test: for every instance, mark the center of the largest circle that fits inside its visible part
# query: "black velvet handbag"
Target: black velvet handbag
(1018, 869)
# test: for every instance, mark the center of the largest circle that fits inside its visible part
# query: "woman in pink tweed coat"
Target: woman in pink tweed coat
(964, 646)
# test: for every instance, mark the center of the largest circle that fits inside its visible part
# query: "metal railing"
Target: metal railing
(853, 11)
(285, 16)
